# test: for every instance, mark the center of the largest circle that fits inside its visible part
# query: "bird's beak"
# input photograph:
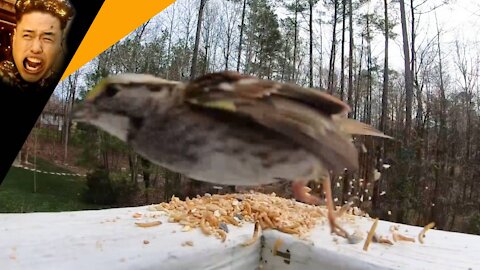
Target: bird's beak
(83, 112)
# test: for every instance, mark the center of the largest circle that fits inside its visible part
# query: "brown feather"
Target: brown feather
(303, 115)
(354, 127)
(252, 87)
(319, 136)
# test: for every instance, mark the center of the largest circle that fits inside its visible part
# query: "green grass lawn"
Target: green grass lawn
(54, 192)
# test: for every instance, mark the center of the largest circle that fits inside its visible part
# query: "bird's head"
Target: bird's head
(120, 101)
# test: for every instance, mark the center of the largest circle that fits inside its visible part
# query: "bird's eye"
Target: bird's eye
(111, 91)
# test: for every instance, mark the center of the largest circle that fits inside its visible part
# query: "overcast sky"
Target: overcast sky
(459, 20)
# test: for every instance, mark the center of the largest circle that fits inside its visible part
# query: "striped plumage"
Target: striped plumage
(229, 128)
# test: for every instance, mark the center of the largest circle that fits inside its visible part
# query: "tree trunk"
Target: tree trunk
(193, 70)
(350, 57)
(412, 29)
(359, 79)
(408, 75)
(227, 50)
(342, 61)
(295, 45)
(441, 139)
(205, 57)
(72, 85)
(146, 171)
(383, 119)
(169, 49)
(132, 162)
(384, 113)
(368, 105)
(310, 26)
(320, 75)
(242, 26)
(331, 68)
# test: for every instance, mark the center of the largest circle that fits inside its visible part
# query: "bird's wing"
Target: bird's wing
(354, 127)
(255, 88)
(303, 115)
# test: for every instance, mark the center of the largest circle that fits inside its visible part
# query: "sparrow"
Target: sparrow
(232, 129)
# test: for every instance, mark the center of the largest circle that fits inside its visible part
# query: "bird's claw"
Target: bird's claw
(302, 193)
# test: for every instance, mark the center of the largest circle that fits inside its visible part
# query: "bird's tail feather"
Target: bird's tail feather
(354, 127)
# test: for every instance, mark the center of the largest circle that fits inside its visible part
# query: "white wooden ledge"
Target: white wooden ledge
(109, 239)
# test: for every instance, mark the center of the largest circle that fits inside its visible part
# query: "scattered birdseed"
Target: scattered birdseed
(427, 227)
(213, 214)
(382, 239)
(270, 211)
(364, 148)
(399, 237)
(223, 226)
(370, 235)
(187, 243)
(356, 237)
(148, 224)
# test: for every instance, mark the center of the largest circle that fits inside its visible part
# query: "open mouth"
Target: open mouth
(32, 64)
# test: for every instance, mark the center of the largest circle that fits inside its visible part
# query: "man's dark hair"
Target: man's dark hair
(60, 9)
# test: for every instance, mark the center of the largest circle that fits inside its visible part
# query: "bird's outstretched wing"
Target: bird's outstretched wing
(304, 115)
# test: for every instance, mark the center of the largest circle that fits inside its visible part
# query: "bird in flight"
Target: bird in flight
(232, 129)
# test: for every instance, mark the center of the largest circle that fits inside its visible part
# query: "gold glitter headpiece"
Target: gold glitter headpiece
(58, 8)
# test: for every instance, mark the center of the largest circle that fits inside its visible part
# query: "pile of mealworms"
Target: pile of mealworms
(213, 214)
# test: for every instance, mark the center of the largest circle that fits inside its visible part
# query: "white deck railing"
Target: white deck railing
(109, 239)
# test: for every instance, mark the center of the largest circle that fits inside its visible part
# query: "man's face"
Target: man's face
(36, 44)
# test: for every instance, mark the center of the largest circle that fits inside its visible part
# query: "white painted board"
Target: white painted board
(109, 239)
(321, 250)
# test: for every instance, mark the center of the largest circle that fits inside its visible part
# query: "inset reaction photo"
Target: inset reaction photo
(35, 55)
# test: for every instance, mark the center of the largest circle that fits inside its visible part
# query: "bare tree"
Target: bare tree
(311, 5)
(229, 23)
(383, 119)
(170, 37)
(342, 58)
(72, 81)
(350, 56)
(193, 70)
(408, 74)
(240, 42)
(331, 68)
